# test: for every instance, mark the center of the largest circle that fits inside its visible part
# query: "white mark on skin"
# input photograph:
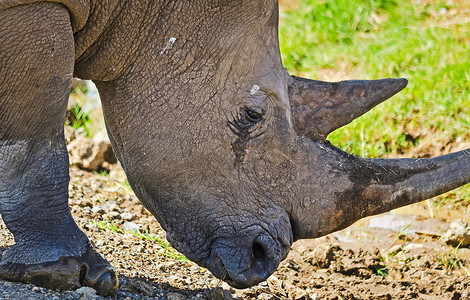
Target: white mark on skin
(169, 45)
(254, 89)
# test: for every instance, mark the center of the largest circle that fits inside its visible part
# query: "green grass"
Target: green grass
(165, 249)
(78, 116)
(371, 39)
(84, 112)
(427, 42)
(382, 272)
(80, 120)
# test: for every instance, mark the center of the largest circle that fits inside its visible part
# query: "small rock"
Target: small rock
(175, 296)
(224, 285)
(131, 226)
(219, 294)
(97, 210)
(145, 288)
(86, 293)
(83, 202)
(36, 289)
(458, 234)
(127, 216)
(265, 296)
(275, 285)
(113, 207)
(112, 215)
(248, 294)
(215, 282)
(140, 287)
(314, 296)
(199, 296)
(324, 254)
(298, 294)
(91, 154)
(161, 267)
(173, 279)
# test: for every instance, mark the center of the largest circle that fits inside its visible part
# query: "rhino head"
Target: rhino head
(229, 151)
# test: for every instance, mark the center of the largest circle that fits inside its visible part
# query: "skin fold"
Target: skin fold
(222, 145)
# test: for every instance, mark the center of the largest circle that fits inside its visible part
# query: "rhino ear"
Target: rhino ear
(319, 108)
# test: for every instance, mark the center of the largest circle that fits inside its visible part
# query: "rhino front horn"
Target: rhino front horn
(319, 107)
(340, 188)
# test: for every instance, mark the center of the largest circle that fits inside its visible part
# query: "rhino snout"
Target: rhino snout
(243, 262)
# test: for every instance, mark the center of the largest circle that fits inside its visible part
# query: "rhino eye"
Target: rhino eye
(245, 123)
(253, 116)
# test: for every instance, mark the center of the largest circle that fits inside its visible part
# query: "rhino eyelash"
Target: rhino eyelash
(243, 125)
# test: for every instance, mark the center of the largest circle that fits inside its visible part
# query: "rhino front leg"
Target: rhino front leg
(36, 66)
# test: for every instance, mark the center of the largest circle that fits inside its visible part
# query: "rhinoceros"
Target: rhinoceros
(219, 142)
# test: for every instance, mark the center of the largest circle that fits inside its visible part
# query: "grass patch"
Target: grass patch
(84, 113)
(80, 120)
(165, 248)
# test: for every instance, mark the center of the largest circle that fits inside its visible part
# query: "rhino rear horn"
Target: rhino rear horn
(319, 107)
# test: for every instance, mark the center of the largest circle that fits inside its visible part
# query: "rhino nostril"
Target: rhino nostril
(258, 252)
(259, 262)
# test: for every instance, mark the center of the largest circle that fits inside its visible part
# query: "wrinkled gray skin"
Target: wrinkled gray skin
(224, 147)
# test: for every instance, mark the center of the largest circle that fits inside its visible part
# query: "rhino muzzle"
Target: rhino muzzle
(252, 262)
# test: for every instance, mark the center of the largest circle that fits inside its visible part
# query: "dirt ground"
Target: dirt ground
(399, 255)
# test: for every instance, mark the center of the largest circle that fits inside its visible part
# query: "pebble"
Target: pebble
(458, 234)
(86, 293)
(324, 255)
(112, 215)
(131, 226)
(275, 285)
(97, 210)
(199, 296)
(113, 207)
(297, 293)
(145, 288)
(127, 216)
(174, 296)
(265, 296)
(226, 286)
(219, 294)
(83, 202)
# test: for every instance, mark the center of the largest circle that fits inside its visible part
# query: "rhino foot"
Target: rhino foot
(68, 273)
